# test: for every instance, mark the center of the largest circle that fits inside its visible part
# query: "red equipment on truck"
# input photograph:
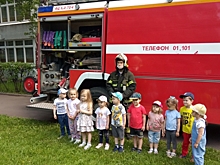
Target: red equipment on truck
(172, 47)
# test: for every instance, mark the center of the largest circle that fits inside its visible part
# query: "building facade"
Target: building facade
(15, 46)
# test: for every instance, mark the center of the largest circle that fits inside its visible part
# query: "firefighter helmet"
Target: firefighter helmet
(122, 57)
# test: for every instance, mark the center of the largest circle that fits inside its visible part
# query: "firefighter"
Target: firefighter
(122, 80)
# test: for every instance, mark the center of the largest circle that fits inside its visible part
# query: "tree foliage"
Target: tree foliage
(26, 8)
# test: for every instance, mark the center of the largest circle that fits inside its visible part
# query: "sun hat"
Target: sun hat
(118, 95)
(187, 94)
(61, 90)
(200, 109)
(158, 103)
(102, 98)
(135, 95)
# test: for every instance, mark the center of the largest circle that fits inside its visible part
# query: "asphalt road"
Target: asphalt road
(15, 105)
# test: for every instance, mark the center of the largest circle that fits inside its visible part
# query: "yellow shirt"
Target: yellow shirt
(187, 119)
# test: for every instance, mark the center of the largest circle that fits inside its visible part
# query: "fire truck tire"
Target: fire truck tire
(29, 84)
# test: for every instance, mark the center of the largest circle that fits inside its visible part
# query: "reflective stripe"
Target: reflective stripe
(130, 82)
(110, 81)
(114, 85)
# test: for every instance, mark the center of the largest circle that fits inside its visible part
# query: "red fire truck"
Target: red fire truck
(172, 47)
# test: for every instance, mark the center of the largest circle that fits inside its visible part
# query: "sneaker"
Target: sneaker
(82, 144)
(120, 149)
(182, 156)
(173, 154)
(155, 152)
(139, 151)
(134, 149)
(168, 154)
(87, 146)
(77, 141)
(115, 149)
(150, 151)
(72, 140)
(99, 145)
(60, 137)
(107, 146)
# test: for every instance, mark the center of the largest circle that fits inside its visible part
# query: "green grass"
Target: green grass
(31, 142)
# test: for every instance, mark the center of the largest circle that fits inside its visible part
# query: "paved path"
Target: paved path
(12, 105)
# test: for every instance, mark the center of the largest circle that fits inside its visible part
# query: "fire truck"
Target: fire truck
(172, 47)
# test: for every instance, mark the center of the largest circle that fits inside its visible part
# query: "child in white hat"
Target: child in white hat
(102, 121)
(198, 137)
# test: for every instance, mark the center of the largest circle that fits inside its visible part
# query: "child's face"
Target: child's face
(136, 102)
(62, 95)
(83, 97)
(155, 108)
(194, 114)
(187, 102)
(101, 104)
(73, 95)
(115, 100)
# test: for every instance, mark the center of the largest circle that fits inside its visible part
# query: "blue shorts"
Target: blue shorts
(154, 137)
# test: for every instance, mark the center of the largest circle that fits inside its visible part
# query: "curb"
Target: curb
(16, 94)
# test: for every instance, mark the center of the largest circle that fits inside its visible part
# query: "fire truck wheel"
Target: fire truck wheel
(29, 84)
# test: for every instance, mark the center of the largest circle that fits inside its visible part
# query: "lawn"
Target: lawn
(31, 142)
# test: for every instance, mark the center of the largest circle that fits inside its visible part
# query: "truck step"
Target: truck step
(41, 106)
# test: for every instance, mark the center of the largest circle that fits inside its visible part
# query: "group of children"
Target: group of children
(76, 115)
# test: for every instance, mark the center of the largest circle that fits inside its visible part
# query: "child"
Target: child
(198, 138)
(136, 121)
(154, 126)
(85, 123)
(73, 115)
(60, 112)
(118, 121)
(187, 121)
(102, 121)
(172, 125)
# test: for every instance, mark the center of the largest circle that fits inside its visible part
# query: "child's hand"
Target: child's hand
(147, 127)
(177, 134)
(143, 128)
(123, 126)
(55, 116)
(106, 127)
(163, 132)
(196, 145)
(190, 140)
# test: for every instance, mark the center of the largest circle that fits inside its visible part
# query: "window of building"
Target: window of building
(18, 51)
(2, 55)
(9, 13)
(10, 55)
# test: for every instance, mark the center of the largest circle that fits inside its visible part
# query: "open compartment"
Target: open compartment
(54, 34)
(86, 31)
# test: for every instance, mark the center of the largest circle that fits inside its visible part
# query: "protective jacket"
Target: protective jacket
(124, 83)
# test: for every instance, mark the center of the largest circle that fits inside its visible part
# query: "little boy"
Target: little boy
(60, 112)
(187, 121)
(118, 121)
(136, 121)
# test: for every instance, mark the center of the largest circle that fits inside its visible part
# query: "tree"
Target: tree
(28, 9)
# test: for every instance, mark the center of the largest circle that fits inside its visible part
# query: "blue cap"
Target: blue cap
(135, 95)
(61, 90)
(118, 95)
(187, 94)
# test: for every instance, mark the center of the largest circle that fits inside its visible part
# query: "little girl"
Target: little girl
(172, 125)
(198, 137)
(73, 115)
(102, 121)
(154, 126)
(85, 123)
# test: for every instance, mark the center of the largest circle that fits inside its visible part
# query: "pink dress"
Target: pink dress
(84, 123)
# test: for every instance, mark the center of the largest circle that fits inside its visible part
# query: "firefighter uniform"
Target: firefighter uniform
(124, 82)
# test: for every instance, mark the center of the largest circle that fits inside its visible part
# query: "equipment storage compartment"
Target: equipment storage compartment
(54, 34)
(86, 31)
